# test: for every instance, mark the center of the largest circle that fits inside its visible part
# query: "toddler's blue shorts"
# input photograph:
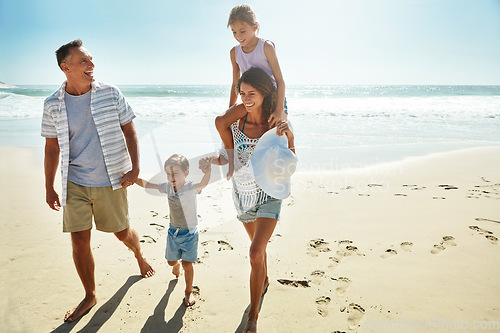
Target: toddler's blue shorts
(181, 244)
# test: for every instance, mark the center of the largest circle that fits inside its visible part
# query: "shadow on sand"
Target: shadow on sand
(105, 311)
(156, 322)
(244, 318)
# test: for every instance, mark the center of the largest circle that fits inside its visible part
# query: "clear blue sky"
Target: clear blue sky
(318, 42)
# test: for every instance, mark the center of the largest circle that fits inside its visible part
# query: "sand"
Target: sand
(410, 245)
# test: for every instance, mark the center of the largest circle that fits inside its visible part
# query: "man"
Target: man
(89, 124)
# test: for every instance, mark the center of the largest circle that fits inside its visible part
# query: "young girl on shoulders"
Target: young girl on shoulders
(251, 51)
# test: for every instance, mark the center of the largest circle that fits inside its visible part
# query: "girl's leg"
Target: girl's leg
(262, 230)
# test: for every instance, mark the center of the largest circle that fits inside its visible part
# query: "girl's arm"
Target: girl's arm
(144, 183)
(270, 53)
(233, 97)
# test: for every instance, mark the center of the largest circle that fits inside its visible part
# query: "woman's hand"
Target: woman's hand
(283, 127)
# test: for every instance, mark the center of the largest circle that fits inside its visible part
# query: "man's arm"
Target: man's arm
(51, 161)
(133, 149)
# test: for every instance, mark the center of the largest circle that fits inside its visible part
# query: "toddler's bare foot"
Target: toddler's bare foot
(189, 299)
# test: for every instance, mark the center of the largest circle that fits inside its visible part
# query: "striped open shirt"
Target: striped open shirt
(110, 111)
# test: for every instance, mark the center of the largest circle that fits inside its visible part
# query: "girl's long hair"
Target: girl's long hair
(260, 81)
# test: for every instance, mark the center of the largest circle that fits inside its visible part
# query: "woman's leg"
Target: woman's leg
(260, 232)
(250, 229)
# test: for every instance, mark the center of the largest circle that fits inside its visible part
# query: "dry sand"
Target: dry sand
(399, 246)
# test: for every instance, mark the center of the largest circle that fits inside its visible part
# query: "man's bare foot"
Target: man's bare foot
(146, 269)
(189, 299)
(82, 309)
(251, 326)
(176, 270)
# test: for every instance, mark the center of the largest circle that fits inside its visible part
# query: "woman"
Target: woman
(258, 211)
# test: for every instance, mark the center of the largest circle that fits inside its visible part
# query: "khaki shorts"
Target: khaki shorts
(109, 208)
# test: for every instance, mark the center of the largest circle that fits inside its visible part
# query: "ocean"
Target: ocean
(336, 127)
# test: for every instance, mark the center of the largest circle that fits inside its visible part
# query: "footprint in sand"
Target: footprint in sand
(447, 240)
(389, 253)
(356, 313)
(480, 230)
(489, 235)
(492, 239)
(224, 245)
(406, 246)
(317, 246)
(148, 239)
(158, 227)
(155, 214)
(400, 195)
(437, 248)
(350, 250)
(294, 283)
(317, 276)
(344, 282)
(323, 302)
(485, 220)
(419, 188)
(334, 262)
(448, 187)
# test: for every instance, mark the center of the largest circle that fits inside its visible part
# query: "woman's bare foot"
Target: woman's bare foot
(82, 309)
(146, 269)
(189, 299)
(251, 326)
(176, 269)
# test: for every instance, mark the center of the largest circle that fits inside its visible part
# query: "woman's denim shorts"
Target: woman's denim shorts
(270, 208)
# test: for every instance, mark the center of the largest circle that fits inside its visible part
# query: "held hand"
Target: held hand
(205, 164)
(129, 178)
(52, 199)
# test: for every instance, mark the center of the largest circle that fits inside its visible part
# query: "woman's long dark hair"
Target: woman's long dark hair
(260, 81)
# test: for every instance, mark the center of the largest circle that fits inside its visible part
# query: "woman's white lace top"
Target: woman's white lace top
(244, 185)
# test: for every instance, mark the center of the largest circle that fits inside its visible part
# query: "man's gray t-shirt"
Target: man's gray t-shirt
(182, 205)
(86, 161)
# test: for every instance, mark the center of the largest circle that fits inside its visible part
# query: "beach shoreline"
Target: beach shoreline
(353, 251)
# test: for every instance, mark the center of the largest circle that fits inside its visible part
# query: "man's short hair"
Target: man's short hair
(177, 160)
(63, 52)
